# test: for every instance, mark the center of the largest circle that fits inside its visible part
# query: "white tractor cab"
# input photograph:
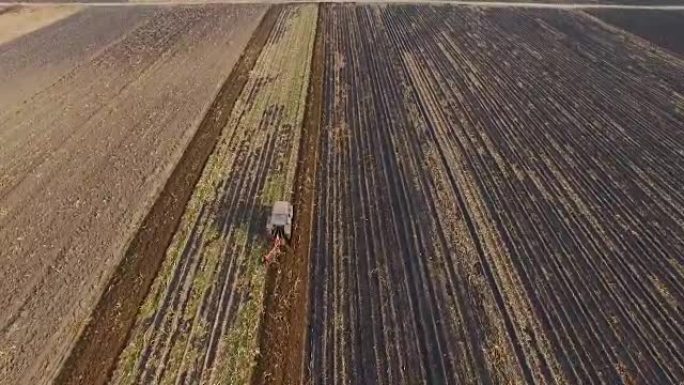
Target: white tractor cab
(279, 223)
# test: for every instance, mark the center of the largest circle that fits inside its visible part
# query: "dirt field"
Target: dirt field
(85, 155)
(200, 321)
(500, 200)
(17, 21)
(662, 28)
(483, 195)
(33, 62)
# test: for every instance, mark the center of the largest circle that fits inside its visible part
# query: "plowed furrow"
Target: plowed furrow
(513, 181)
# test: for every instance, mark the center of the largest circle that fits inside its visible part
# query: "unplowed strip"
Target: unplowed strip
(94, 355)
(282, 335)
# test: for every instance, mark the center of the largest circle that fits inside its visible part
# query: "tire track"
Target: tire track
(200, 322)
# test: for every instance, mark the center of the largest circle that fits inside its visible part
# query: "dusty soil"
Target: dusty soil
(83, 160)
(33, 62)
(662, 28)
(108, 329)
(18, 21)
(285, 323)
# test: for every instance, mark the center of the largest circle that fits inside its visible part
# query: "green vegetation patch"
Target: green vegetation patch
(285, 61)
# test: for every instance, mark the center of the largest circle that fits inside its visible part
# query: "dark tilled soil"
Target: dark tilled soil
(499, 201)
(285, 321)
(662, 28)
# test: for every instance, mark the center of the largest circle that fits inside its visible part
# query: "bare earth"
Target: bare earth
(84, 157)
(33, 61)
(18, 21)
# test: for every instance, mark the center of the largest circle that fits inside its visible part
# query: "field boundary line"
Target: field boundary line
(308, 180)
(93, 356)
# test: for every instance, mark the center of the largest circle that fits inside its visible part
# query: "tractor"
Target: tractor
(279, 223)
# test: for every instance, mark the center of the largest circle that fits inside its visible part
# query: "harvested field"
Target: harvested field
(200, 321)
(84, 158)
(33, 62)
(482, 195)
(500, 199)
(662, 28)
(17, 21)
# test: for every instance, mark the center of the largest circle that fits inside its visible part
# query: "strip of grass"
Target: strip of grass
(285, 62)
(238, 365)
